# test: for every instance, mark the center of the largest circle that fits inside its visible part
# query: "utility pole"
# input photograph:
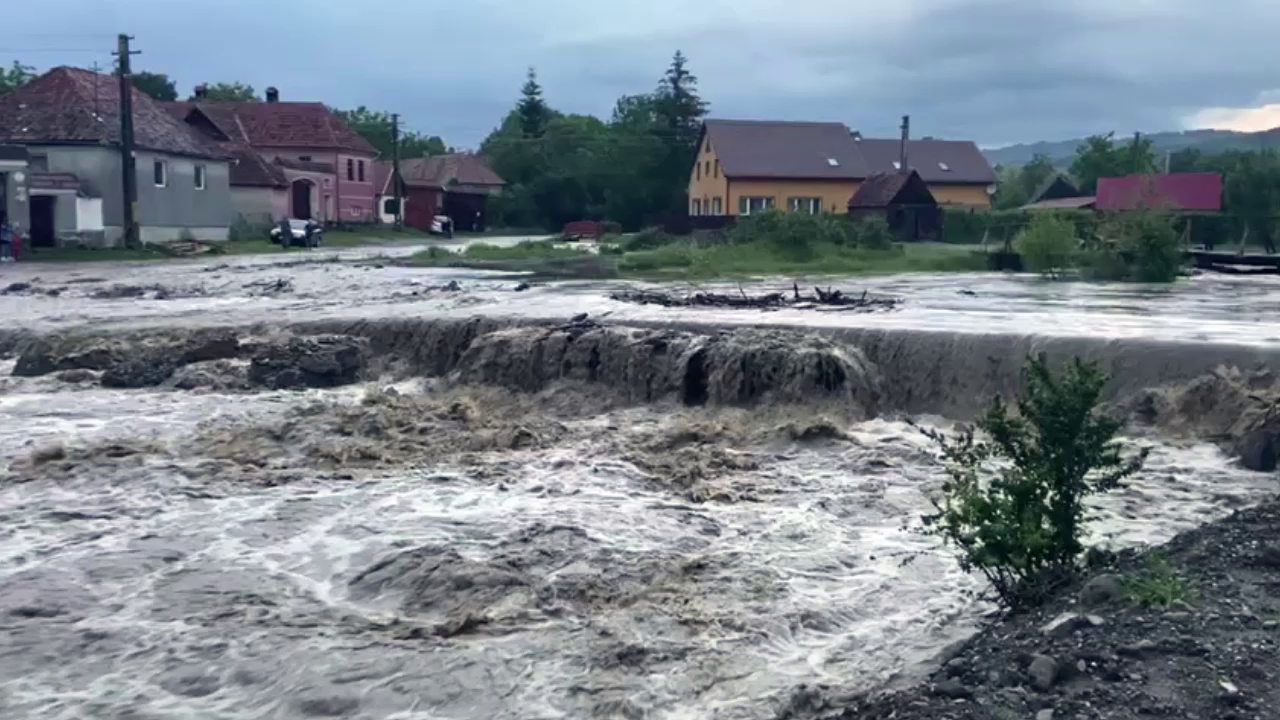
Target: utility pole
(1133, 153)
(395, 169)
(130, 173)
(902, 149)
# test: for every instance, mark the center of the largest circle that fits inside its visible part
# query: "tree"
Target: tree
(678, 113)
(1013, 504)
(15, 77)
(157, 85)
(1018, 185)
(1099, 156)
(376, 128)
(1048, 244)
(533, 111)
(228, 92)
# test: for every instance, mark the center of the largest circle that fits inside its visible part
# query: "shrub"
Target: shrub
(796, 235)
(1013, 504)
(1157, 585)
(648, 239)
(1150, 243)
(1048, 245)
(871, 234)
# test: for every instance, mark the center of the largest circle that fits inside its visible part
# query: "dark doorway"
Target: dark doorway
(301, 191)
(43, 229)
(466, 210)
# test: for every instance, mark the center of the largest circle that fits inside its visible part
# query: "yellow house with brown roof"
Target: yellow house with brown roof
(751, 166)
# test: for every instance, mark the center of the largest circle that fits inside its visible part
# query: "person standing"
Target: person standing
(8, 238)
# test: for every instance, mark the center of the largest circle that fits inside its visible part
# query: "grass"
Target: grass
(332, 239)
(686, 261)
(1157, 585)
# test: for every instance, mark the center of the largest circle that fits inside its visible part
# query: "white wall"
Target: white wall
(88, 213)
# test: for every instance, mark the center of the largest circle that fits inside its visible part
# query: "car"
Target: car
(303, 233)
(442, 225)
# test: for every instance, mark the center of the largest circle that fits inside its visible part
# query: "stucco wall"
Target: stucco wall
(259, 205)
(12, 201)
(707, 182)
(350, 201)
(835, 194)
(970, 195)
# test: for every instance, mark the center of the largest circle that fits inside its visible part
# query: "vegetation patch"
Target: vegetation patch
(1157, 585)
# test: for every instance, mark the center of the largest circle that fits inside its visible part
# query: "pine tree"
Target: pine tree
(679, 113)
(532, 108)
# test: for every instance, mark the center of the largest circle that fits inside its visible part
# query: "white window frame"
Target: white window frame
(199, 178)
(807, 205)
(717, 206)
(696, 206)
(163, 167)
(755, 204)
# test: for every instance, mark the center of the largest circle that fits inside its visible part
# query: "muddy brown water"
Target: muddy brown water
(161, 586)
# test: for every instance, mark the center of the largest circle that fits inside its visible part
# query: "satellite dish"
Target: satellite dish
(991, 189)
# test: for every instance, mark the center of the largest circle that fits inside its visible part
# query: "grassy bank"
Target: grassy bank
(333, 239)
(686, 260)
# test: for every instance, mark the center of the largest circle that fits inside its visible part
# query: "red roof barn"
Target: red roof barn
(1197, 192)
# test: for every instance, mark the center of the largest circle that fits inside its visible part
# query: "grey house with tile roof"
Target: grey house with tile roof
(69, 122)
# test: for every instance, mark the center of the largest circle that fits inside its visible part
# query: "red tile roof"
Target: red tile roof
(443, 171)
(248, 168)
(794, 150)
(1176, 191)
(69, 105)
(281, 124)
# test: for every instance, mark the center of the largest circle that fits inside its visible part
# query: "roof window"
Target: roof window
(897, 165)
(944, 167)
(833, 162)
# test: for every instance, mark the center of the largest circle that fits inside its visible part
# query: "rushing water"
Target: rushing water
(148, 590)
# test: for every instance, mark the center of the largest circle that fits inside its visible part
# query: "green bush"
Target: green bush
(648, 239)
(796, 235)
(1013, 504)
(1149, 242)
(871, 234)
(244, 230)
(1048, 245)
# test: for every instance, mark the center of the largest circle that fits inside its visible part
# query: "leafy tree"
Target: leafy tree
(15, 77)
(229, 92)
(1048, 244)
(1100, 156)
(1013, 504)
(534, 114)
(376, 128)
(679, 112)
(157, 85)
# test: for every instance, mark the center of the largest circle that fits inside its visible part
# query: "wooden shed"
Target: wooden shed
(904, 201)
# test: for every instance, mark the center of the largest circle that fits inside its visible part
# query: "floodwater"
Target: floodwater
(569, 579)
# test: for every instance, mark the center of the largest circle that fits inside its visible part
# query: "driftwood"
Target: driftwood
(819, 300)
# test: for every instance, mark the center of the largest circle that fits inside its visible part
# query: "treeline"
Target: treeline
(1251, 193)
(631, 169)
(372, 125)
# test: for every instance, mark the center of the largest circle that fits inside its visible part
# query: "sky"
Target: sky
(993, 71)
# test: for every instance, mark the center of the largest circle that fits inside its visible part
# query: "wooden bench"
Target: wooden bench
(584, 229)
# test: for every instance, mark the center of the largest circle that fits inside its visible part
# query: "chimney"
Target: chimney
(902, 150)
(273, 95)
(202, 91)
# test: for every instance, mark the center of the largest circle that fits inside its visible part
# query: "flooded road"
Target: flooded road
(232, 555)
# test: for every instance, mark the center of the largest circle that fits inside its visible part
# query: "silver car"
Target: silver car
(299, 231)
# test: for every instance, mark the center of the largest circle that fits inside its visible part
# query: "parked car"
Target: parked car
(303, 233)
(442, 225)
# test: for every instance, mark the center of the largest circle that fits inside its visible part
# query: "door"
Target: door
(43, 234)
(301, 199)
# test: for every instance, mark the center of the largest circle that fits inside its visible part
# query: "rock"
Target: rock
(1067, 623)
(139, 373)
(1043, 672)
(328, 706)
(523, 286)
(302, 362)
(1101, 590)
(1257, 450)
(17, 287)
(953, 688)
(77, 376)
(48, 452)
(1046, 714)
(1140, 649)
(957, 666)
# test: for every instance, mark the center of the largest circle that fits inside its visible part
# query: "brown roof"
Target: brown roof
(381, 176)
(883, 189)
(248, 168)
(772, 149)
(280, 124)
(442, 171)
(937, 161)
(69, 105)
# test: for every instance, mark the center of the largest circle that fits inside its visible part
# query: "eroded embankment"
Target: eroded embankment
(1220, 393)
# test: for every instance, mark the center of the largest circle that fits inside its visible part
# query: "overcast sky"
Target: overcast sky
(994, 71)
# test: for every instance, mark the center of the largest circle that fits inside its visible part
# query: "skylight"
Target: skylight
(833, 162)
(897, 165)
(944, 167)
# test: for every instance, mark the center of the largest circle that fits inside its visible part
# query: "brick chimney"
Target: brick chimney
(273, 95)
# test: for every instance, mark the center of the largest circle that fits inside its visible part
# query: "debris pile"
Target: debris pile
(828, 298)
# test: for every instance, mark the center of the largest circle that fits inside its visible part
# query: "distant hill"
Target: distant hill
(1209, 141)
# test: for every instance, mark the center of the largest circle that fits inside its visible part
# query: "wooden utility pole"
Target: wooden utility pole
(129, 175)
(902, 149)
(1133, 153)
(395, 169)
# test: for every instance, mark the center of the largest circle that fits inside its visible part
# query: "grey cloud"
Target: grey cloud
(990, 70)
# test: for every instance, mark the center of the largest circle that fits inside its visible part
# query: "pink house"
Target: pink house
(295, 159)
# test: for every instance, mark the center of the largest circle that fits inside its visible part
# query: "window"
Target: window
(708, 168)
(707, 147)
(351, 169)
(748, 205)
(697, 207)
(160, 173)
(361, 166)
(697, 171)
(897, 165)
(304, 158)
(807, 205)
(389, 206)
(717, 167)
(833, 162)
(717, 207)
(199, 177)
(944, 167)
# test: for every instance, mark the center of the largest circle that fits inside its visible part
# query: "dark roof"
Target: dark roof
(800, 150)
(884, 189)
(306, 165)
(381, 176)
(442, 171)
(248, 168)
(1067, 203)
(937, 161)
(1055, 187)
(252, 170)
(1176, 191)
(280, 124)
(69, 105)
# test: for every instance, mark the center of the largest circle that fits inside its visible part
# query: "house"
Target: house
(295, 159)
(956, 171)
(746, 166)
(457, 185)
(1059, 193)
(904, 201)
(385, 196)
(1185, 192)
(13, 181)
(68, 120)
